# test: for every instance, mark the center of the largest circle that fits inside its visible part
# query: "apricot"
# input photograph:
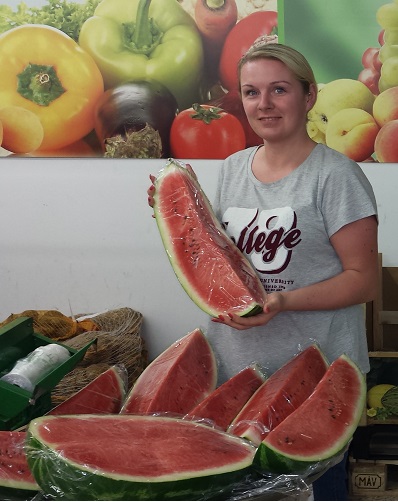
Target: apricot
(386, 142)
(385, 106)
(22, 129)
(352, 131)
(1, 133)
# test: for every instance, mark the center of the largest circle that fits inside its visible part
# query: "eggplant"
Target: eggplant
(133, 120)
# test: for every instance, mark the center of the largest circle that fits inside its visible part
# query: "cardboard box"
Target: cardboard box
(18, 406)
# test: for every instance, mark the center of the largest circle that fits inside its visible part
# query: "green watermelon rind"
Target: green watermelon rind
(270, 459)
(64, 481)
(16, 493)
(252, 308)
(266, 457)
(60, 478)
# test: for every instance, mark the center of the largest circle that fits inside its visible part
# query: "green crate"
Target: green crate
(19, 406)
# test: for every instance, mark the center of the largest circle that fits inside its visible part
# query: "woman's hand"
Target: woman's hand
(151, 190)
(274, 303)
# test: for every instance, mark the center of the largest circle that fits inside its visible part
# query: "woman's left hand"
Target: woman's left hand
(273, 305)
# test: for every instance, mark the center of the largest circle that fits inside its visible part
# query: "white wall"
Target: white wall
(77, 235)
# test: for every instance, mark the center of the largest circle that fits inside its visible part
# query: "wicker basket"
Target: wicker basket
(118, 341)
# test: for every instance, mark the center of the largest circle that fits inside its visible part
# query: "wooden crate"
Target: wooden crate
(373, 479)
(382, 313)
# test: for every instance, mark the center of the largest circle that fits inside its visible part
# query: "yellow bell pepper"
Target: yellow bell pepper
(48, 73)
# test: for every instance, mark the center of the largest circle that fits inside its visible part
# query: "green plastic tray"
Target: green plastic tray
(18, 406)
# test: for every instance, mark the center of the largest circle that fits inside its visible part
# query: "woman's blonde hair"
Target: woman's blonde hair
(294, 60)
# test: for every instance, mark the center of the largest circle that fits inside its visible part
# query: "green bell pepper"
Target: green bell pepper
(133, 40)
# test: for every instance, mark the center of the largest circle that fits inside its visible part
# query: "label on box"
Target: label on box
(368, 481)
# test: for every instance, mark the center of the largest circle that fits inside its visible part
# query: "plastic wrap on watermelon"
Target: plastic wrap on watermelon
(134, 457)
(104, 394)
(210, 267)
(280, 395)
(222, 405)
(16, 480)
(271, 486)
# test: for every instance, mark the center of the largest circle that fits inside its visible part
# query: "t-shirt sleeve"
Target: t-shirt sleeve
(346, 195)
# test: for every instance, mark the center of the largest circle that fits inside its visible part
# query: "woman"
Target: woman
(306, 218)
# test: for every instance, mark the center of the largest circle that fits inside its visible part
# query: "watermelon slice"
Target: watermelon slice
(321, 427)
(177, 380)
(211, 269)
(225, 402)
(282, 393)
(104, 394)
(16, 479)
(133, 457)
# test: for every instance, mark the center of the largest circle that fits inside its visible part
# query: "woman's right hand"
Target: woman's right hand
(151, 189)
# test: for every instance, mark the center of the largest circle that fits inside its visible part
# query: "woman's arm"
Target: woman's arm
(356, 246)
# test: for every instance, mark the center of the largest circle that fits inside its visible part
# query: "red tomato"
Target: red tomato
(239, 40)
(206, 132)
(231, 102)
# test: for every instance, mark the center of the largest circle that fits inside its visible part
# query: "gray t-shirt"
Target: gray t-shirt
(284, 229)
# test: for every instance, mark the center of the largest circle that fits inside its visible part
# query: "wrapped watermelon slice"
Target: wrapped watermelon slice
(320, 429)
(176, 380)
(104, 394)
(133, 457)
(282, 393)
(224, 403)
(210, 267)
(16, 480)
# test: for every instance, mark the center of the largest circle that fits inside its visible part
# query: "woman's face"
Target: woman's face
(274, 100)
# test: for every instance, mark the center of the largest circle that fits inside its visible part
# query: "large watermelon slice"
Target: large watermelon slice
(211, 269)
(177, 380)
(321, 427)
(104, 394)
(133, 457)
(283, 392)
(224, 403)
(16, 480)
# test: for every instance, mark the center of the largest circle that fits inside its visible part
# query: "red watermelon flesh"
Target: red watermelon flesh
(131, 457)
(209, 266)
(322, 426)
(177, 380)
(14, 470)
(225, 402)
(282, 393)
(105, 394)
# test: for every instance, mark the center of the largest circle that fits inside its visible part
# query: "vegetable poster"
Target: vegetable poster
(158, 78)
(126, 78)
(352, 45)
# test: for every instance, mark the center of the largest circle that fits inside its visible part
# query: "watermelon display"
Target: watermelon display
(104, 394)
(16, 479)
(321, 427)
(209, 266)
(133, 457)
(224, 403)
(177, 380)
(280, 395)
